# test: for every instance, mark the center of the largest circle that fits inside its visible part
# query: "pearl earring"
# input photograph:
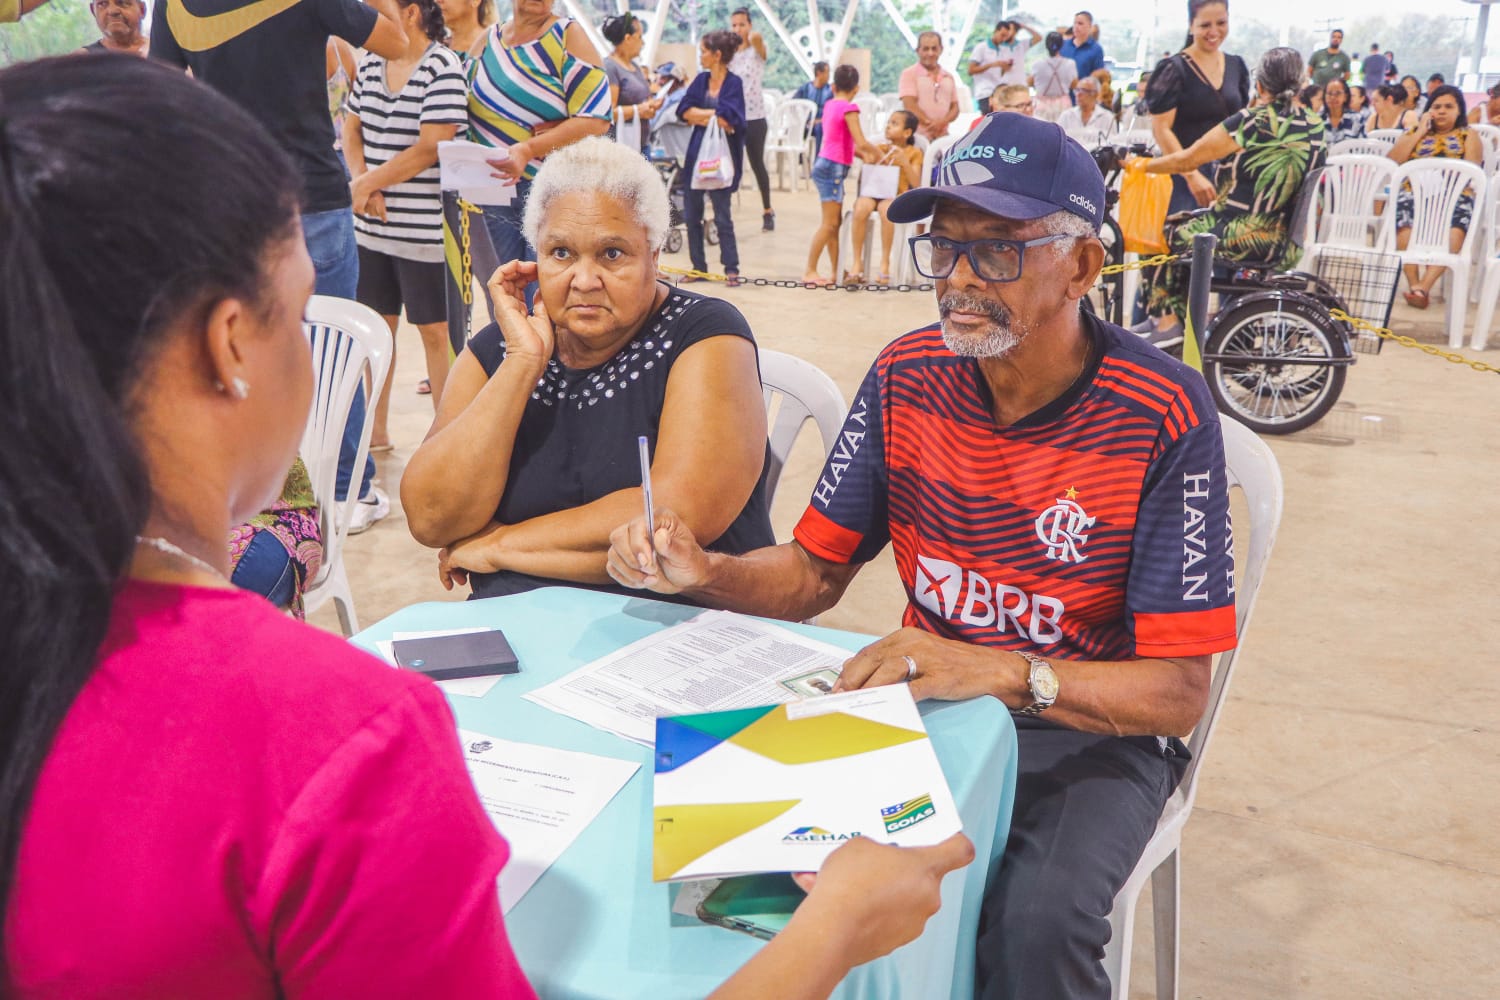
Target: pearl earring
(241, 387)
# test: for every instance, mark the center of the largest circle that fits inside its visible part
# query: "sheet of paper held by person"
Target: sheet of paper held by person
(540, 799)
(463, 166)
(712, 662)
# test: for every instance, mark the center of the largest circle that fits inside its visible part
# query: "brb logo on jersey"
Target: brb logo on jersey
(939, 585)
(1061, 528)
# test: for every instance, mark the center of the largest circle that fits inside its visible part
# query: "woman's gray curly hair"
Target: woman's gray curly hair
(1280, 73)
(599, 164)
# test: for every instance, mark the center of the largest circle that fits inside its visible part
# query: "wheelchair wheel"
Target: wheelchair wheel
(674, 240)
(711, 231)
(1262, 362)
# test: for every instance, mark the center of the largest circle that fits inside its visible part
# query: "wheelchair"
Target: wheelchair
(1274, 357)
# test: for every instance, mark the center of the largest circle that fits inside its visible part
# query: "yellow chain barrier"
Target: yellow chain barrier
(687, 272)
(466, 282)
(1405, 341)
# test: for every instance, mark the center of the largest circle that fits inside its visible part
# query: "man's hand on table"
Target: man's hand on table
(947, 670)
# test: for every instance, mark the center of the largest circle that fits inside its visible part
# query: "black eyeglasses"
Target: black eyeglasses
(990, 260)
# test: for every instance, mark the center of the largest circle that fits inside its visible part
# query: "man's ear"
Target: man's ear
(1088, 258)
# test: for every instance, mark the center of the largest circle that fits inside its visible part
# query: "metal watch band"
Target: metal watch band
(1036, 707)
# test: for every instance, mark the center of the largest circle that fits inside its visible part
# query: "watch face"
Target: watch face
(1043, 682)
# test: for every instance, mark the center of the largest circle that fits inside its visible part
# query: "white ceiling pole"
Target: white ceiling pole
(901, 25)
(951, 59)
(842, 38)
(815, 27)
(585, 21)
(785, 36)
(653, 37)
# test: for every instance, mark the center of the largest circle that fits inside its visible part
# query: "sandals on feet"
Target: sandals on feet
(1418, 299)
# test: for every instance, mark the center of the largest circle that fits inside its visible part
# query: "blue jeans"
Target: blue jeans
(828, 178)
(692, 213)
(335, 256)
(267, 570)
(503, 222)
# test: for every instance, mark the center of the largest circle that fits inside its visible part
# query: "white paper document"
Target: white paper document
(779, 788)
(463, 166)
(710, 663)
(540, 799)
(469, 687)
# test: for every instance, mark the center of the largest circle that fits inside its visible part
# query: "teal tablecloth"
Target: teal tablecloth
(595, 926)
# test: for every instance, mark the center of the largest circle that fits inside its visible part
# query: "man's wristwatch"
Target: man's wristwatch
(1042, 680)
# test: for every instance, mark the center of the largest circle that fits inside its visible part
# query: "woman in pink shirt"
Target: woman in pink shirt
(842, 136)
(200, 796)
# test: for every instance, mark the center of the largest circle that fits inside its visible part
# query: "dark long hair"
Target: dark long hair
(131, 198)
(1194, 6)
(1448, 90)
(433, 25)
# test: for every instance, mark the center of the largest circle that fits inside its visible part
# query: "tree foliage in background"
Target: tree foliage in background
(57, 27)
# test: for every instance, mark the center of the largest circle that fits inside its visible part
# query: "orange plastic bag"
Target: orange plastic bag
(1143, 210)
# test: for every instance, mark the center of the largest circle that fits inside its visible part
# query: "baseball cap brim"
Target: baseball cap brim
(918, 203)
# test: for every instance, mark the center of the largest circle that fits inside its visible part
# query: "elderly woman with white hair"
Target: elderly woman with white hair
(532, 461)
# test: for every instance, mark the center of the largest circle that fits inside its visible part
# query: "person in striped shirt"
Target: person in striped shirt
(1055, 492)
(399, 110)
(535, 85)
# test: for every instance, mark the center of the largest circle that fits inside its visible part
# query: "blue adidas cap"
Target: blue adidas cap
(1015, 167)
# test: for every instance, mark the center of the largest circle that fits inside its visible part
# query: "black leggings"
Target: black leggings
(755, 145)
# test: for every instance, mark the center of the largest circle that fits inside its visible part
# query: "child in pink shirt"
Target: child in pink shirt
(842, 137)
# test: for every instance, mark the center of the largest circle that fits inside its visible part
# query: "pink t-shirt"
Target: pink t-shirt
(838, 141)
(934, 97)
(238, 805)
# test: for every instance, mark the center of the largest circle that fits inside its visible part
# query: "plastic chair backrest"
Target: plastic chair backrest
(1252, 467)
(1346, 147)
(1489, 135)
(796, 391)
(1436, 186)
(1347, 194)
(890, 102)
(1386, 135)
(348, 341)
(869, 115)
(792, 120)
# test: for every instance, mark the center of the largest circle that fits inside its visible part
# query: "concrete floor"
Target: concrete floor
(1343, 842)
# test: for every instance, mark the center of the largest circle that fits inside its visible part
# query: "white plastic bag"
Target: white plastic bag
(627, 133)
(879, 180)
(714, 169)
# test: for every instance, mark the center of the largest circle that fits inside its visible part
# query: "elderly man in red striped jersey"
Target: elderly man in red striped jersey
(1055, 492)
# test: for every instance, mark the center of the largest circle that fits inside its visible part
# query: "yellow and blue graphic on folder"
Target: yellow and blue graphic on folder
(776, 788)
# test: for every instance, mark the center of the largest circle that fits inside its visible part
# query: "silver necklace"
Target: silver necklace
(162, 545)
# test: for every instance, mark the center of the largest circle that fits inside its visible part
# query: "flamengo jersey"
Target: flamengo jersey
(1095, 529)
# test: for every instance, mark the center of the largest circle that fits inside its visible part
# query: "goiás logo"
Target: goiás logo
(816, 835)
(908, 813)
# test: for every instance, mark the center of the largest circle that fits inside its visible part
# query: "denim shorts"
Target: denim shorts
(828, 178)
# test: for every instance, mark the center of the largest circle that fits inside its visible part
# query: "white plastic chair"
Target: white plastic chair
(903, 268)
(1386, 135)
(1489, 135)
(348, 341)
(1489, 286)
(1436, 186)
(1353, 199)
(1253, 468)
(788, 137)
(869, 115)
(1347, 147)
(796, 391)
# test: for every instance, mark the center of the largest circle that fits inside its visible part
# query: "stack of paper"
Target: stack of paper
(712, 662)
(778, 788)
(540, 799)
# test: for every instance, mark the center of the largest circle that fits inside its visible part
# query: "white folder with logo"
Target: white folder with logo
(777, 788)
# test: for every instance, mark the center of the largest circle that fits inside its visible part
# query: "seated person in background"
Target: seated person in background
(1088, 115)
(1257, 193)
(198, 796)
(532, 459)
(1055, 493)
(900, 151)
(818, 90)
(119, 27)
(1487, 113)
(1441, 133)
(1310, 98)
(278, 551)
(1013, 97)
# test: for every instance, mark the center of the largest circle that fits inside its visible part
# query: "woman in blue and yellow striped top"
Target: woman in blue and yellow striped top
(535, 85)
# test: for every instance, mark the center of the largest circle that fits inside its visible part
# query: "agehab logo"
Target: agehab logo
(816, 835)
(480, 746)
(908, 813)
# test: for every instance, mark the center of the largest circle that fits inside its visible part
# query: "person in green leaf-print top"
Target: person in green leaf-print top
(1272, 147)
